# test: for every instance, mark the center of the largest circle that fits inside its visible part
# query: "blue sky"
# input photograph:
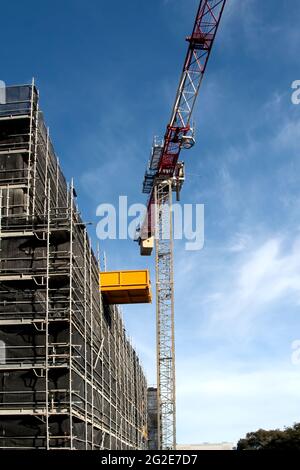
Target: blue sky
(107, 74)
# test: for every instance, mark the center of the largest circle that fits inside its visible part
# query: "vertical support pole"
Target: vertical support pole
(85, 339)
(71, 215)
(9, 207)
(117, 379)
(47, 317)
(46, 171)
(120, 392)
(165, 317)
(57, 187)
(92, 338)
(30, 148)
(1, 203)
(36, 120)
(102, 333)
(110, 395)
(110, 372)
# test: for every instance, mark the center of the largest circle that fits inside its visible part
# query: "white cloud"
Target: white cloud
(232, 293)
(252, 283)
(288, 136)
(255, 270)
(222, 403)
(239, 242)
(226, 387)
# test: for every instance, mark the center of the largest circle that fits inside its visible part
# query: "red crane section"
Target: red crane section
(164, 160)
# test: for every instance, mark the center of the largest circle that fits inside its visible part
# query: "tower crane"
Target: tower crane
(165, 175)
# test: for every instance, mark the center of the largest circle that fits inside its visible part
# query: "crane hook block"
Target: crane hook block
(146, 246)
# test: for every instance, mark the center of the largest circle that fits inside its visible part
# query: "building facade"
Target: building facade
(69, 377)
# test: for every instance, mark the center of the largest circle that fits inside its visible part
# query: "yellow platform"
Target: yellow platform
(126, 287)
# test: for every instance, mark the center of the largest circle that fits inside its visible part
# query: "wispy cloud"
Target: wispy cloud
(288, 136)
(224, 403)
(246, 282)
(239, 242)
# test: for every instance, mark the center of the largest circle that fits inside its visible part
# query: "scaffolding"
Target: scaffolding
(69, 376)
(152, 418)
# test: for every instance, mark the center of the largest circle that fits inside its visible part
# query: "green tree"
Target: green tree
(287, 439)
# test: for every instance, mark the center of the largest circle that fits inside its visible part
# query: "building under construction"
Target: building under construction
(69, 377)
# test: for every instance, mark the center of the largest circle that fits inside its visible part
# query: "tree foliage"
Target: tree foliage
(287, 439)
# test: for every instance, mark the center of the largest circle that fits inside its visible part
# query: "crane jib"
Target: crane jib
(165, 173)
(179, 133)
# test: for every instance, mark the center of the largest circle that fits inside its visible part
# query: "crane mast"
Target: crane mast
(165, 175)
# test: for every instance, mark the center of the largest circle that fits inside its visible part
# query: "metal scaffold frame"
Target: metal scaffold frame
(69, 377)
(165, 316)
